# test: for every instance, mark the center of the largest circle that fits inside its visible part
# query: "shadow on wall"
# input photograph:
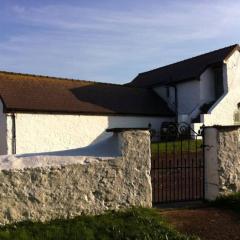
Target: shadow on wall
(121, 122)
(109, 147)
(99, 98)
(112, 99)
(104, 145)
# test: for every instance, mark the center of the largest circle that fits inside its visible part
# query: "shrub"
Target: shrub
(231, 201)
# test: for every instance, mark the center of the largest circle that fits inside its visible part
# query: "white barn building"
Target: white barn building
(200, 90)
(42, 114)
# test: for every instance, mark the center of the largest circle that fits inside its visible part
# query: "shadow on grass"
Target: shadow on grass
(135, 223)
(231, 201)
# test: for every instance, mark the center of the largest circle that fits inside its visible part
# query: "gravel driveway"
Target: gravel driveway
(207, 223)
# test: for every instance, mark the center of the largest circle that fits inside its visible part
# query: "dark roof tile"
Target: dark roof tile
(30, 93)
(181, 71)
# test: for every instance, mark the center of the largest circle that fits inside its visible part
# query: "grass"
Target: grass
(231, 201)
(176, 146)
(141, 224)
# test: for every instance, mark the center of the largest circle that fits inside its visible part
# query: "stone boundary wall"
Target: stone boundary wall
(46, 193)
(222, 160)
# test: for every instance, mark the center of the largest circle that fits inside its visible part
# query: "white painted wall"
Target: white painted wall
(188, 96)
(162, 92)
(51, 132)
(222, 111)
(211, 164)
(207, 86)
(191, 94)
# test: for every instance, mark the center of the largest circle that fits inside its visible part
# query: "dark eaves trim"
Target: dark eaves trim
(237, 47)
(223, 126)
(8, 110)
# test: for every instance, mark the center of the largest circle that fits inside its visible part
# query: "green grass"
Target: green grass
(141, 224)
(176, 146)
(231, 201)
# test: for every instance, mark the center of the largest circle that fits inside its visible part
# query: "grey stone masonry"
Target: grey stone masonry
(45, 193)
(222, 158)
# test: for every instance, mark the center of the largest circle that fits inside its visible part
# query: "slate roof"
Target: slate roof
(31, 93)
(184, 70)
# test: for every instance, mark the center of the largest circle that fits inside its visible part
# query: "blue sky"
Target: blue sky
(110, 40)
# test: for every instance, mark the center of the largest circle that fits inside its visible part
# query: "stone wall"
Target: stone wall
(97, 185)
(222, 157)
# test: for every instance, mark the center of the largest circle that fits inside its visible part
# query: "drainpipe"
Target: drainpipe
(13, 133)
(176, 103)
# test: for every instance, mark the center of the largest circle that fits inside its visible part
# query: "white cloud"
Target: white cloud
(18, 9)
(113, 45)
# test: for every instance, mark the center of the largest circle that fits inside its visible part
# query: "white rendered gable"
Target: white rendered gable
(222, 112)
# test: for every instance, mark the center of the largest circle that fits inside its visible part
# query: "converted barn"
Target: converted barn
(39, 114)
(200, 90)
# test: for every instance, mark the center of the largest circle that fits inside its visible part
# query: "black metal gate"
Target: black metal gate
(177, 164)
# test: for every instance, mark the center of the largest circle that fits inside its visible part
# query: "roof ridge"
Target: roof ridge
(69, 79)
(191, 58)
(57, 78)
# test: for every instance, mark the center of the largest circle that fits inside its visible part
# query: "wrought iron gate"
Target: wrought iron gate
(177, 164)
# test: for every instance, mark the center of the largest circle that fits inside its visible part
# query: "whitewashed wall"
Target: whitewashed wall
(191, 94)
(188, 96)
(53, 132)
(162, 92)
(207, 86)
(211, 163)
(223, 110)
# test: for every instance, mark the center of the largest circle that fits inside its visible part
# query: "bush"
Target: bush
(231, 201)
